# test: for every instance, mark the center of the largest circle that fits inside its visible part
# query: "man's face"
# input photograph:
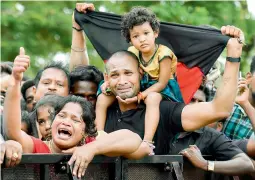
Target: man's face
(53, 81)
(30, 98)
(252, 86)
(87, 90)
(4, 82)
(199, 96)
(123, 76)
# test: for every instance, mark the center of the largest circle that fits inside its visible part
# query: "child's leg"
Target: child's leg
(103, 102)
(152, 102)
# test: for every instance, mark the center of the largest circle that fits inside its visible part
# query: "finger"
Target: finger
(69, 151)
(2, 153)
(227, 29)
(19, 157)
(91, 7)
(242, 86)
(21, 51)
(8, 156)
(223, 30)
(76, 165)
(119, 98)
(19, 69)
(72, 159)
(21, 64)
(84, 8)
(237, 32)
(231, 30)
(81, 168)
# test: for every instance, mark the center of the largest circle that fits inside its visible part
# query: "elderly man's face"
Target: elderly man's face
(123, 76)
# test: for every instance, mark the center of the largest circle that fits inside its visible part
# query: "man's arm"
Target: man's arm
(199, 115)
(239, 164)
(12, 111)
(79, 55)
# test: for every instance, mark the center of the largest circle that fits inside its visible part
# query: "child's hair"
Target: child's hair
(138, 16)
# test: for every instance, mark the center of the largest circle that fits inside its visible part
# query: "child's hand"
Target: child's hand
(105, 88)
(128, 100)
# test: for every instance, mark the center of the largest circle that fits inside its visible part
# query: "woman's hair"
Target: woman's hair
(88, 113)
(138, 16)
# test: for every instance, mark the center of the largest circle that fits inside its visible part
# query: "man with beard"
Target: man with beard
(241, 123)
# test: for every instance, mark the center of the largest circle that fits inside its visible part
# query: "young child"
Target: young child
(140, 27)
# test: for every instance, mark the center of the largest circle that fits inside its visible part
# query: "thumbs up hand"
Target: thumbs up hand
(21, 63)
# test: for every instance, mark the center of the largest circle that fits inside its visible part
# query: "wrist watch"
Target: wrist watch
(210, 166)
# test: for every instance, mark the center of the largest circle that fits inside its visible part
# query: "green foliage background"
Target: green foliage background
(44, 27)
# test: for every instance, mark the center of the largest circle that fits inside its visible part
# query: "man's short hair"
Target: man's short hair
(56, 65)
(5, 69)
(252, 68)
(120, 54)
(86, 73)
(26, 86)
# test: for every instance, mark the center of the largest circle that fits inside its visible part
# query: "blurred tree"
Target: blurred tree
(44, 28)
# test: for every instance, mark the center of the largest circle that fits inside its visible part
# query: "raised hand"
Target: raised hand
(84, 7)
(243, 92)
(20, 65)
(235, 44)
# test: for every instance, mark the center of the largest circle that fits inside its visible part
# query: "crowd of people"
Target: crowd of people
(134, 110)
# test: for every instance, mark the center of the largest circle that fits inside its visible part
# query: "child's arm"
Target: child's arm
(164, 75)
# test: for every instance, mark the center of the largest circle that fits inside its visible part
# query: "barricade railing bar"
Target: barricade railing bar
(54, 166)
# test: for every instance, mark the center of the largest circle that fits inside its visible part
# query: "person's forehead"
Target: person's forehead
(44, 110)
(122, 63)
(73, 109)
(54, 73)
(85, 87)
(4, 81)
(141, 27)
(30, 91)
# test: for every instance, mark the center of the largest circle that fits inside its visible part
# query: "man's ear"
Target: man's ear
(219, 126)
(106, 77)
(248, 77)
(34, 89)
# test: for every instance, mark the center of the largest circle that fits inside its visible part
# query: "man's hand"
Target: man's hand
(243, 93)
(81, 158)
(82, 7)
(195, 156)
(234, 47)
(12, 151)
(21, 63)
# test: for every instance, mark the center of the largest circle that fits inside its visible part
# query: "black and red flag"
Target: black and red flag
(197, 48)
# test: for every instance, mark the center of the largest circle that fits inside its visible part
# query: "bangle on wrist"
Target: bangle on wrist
(77, 49)
(140, 97)
(77, 29)
(231, 59)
